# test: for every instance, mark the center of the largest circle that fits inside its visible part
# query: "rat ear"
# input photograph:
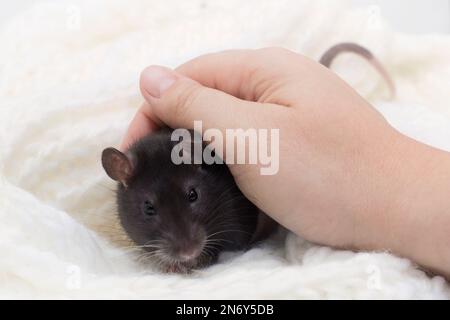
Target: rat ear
(117, 165)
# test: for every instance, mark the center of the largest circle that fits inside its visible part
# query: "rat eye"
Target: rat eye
(192, 195)
(149, 210)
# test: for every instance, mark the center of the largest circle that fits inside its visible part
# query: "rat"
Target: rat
(184, 215)
(181, 215)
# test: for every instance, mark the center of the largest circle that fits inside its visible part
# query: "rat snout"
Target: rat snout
(190, 253)
(189, 245)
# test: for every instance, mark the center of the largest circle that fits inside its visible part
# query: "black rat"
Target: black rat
(183, 216)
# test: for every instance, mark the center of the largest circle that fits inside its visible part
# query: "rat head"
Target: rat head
(182, 215)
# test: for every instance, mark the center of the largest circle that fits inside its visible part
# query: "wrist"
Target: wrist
(418, 217)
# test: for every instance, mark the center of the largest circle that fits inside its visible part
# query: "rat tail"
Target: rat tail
(329, 56)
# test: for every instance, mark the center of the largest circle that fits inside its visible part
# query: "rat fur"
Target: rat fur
(182, 216)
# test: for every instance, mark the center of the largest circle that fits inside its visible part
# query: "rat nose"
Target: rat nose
(188, 242)
(188, 254)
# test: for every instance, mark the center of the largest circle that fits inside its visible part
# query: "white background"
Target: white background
(413, 16)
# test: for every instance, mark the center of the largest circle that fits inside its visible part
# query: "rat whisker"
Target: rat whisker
(212, 241)
(207, 251)
(231, 213)
(212, 250)
(148, 255)
(232, 230)
(224, 204)
(149, 244)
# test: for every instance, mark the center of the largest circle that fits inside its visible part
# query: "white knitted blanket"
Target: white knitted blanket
(69, 87)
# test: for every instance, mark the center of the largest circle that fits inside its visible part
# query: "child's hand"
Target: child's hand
(346, 177)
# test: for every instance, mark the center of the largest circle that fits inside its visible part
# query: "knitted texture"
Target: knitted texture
(69, 87)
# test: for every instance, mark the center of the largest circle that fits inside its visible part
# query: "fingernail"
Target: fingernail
(156, 80)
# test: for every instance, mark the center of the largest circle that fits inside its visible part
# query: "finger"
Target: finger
(179, 101)
(142, 124)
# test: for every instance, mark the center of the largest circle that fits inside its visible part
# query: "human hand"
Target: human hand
(346, 177)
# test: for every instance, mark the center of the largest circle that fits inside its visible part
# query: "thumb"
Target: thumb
(178, 101)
